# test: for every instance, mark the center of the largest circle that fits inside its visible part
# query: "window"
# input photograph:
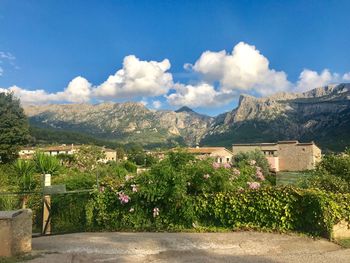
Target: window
(220, 160)
(228, 160)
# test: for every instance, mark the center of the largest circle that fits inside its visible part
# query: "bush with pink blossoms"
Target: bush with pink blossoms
(253, 185)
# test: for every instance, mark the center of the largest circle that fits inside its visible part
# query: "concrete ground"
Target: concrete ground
(186, 247)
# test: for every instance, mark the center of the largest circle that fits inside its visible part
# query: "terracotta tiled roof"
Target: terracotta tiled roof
(205, 150)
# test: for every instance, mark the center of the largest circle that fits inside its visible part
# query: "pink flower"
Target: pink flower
(155, 212)
(206, 176)
(123, 198)
(134, 188)
(235, 171)
(253, 185)
(216, 165)
(252, 162)
(260, 175)
(102, 189)
(227, 165)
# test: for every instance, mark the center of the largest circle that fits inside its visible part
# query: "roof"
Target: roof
(206, 150)
(57, 148)
(108, 150)
(288, 142)
(255, 144)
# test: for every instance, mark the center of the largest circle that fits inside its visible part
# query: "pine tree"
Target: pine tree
(14, 127)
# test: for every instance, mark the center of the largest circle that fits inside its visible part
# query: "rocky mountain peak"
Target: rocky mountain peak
(185, 109)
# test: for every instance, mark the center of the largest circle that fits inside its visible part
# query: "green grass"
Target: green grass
(288, 178)
(19, 258)
(344, 242)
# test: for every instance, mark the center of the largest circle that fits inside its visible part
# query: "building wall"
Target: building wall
(286, 156)
(110, 156)
(297, 157)
(274, 163)
(222, 156)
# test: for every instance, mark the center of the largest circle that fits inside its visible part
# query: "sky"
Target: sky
(168, 54)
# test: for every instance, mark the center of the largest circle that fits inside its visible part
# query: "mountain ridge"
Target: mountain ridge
(319, 114)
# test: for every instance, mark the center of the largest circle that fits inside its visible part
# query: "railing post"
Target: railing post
(46, 226)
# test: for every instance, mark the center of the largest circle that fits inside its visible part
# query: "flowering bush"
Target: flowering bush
(170, 186)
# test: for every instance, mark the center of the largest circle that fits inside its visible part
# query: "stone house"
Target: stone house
(220, 154)
(110, 155)
(285, 155)
(28, 152)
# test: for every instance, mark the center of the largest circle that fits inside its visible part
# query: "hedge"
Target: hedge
(280, 209)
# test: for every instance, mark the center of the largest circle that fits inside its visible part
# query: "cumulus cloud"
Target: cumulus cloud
(202, 94)
(77, 91)
(137, 78)
(219, 77)
(243, 70)
(156, 104)
(310, 79)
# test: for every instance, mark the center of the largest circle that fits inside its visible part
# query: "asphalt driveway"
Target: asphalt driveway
(186, 247)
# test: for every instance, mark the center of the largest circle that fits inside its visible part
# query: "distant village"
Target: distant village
(290, 156)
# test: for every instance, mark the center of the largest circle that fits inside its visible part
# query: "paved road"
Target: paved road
(186, 247)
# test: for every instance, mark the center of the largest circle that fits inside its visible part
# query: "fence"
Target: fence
(67, 209)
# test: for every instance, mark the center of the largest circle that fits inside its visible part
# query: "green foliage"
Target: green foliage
(257, 156)
(88, 157)
(129, 166)
(170, 187)
(13, 127)
(321, 179)
(282, 209)
(46, 164)
(331, 174)
(24, 169)
(337, 165)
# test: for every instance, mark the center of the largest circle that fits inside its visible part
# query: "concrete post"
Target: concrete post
(46, 226)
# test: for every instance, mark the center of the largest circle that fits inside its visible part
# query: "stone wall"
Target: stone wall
(15, 232)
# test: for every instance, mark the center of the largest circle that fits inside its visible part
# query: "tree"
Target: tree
(24, 169)
(14, 127)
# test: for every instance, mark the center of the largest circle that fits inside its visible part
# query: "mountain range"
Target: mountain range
(321, 115)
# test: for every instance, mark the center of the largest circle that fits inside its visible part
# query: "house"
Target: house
(220, 154)
(28, 152)
(60, 149)
(285, 155)
(110, 155)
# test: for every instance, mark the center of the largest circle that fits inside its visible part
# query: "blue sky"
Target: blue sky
(279, 46)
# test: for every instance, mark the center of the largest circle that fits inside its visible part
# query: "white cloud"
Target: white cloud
(7, 56)
(220, 77)
(310, 79)
(346, 76)
(137, 78)
(77, 91)
(156, 104)
(244, 70)
(201, 95)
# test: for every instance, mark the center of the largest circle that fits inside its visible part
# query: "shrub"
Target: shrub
(337, 165)
(257, 156)
(321, 179)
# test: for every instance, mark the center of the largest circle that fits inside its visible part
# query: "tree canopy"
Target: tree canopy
(14, 127)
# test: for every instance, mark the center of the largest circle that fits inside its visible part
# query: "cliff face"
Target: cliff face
(126, 122)
(322, 115)
(317, 115)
